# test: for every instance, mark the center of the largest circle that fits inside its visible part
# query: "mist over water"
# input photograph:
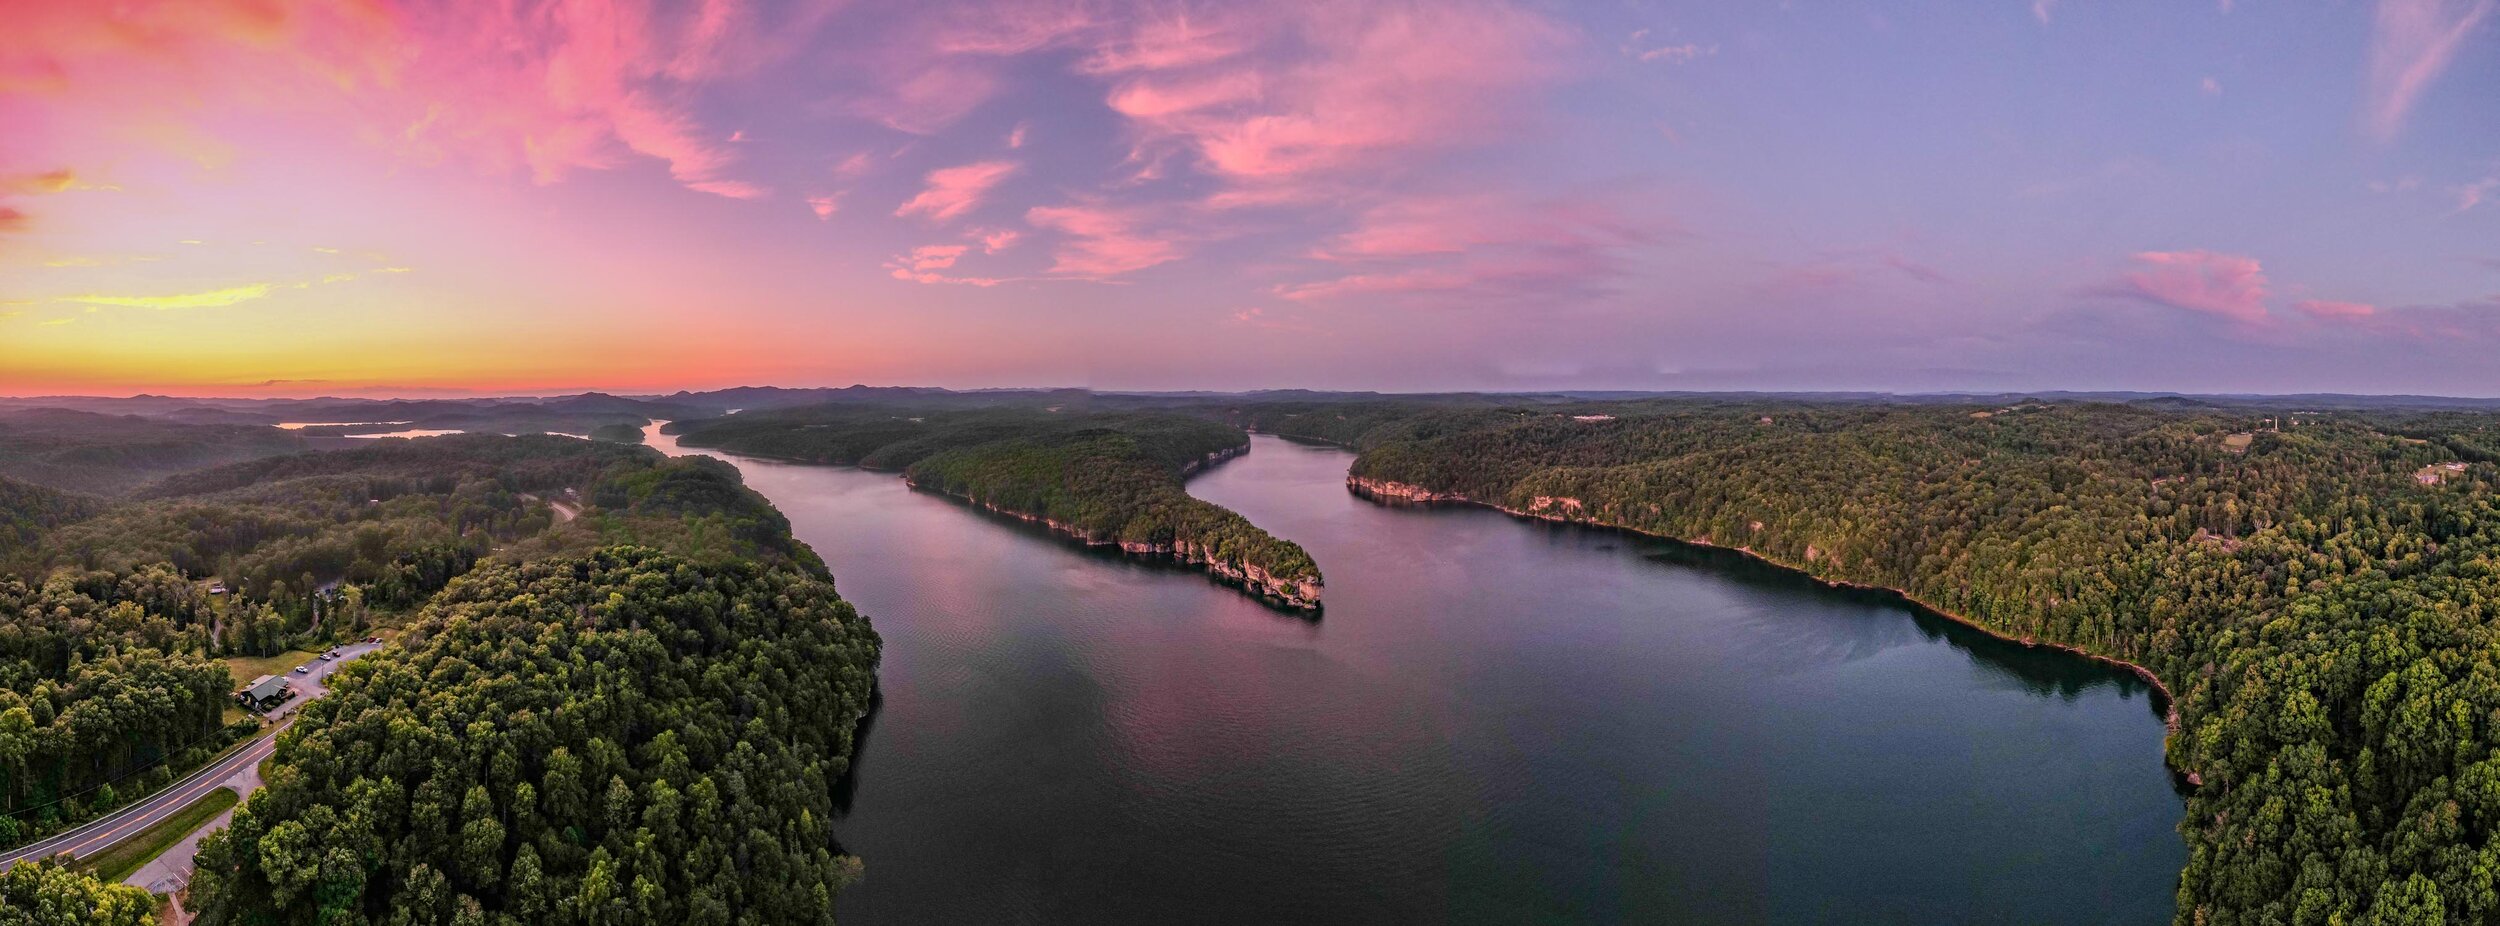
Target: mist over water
(1495, 721)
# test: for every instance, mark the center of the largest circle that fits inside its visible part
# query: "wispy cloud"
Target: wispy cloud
(1639, 48)
(1329, 88)
(2474, 194)
(1488, 245)
(51, 181)
(734, 189)
(2412, 42)
(953, 191)
(201, 300)
(2331, 310)
(1099, 241)
(545, 86)
(994, 240)
(928, 100)
(926, 263)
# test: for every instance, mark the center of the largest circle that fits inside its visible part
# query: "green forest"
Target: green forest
(2318, 589)
(110, 454)
(1107, 478)
(619, 737)
(117, 613)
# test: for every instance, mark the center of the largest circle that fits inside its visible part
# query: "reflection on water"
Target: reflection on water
(1497, 721)
(411, 432)
(300, 425)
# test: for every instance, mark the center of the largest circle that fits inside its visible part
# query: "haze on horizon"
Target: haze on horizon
(265, 197)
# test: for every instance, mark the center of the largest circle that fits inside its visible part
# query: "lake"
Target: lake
(1496, 721)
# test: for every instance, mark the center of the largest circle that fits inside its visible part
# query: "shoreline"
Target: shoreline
(1389, 492)
(1298, 597)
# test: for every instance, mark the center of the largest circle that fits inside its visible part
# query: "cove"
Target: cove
(1497, 721)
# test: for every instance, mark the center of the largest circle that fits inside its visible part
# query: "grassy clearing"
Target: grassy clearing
(247, 668)
(127, 856)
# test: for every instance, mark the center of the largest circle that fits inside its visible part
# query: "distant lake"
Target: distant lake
(1496, 721)
(411, 432)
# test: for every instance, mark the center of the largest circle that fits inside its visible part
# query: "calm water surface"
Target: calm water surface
(1497, 721)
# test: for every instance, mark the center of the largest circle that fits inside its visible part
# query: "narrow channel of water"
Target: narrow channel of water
(1497, 721)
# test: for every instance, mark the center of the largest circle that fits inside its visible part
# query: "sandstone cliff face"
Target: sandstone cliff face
(1213, 458)
(1399, 491)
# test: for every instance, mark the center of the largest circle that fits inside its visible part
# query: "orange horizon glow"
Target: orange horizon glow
(374, 197)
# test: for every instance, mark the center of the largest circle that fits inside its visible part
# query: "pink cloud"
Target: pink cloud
(1009, 28)
(1420, 226)
(1508, 276)
(924, 264)
(1485, 245)
(2412, 42)
(734, 189)
(932, 98)
(934, 256)
(994, 240)
(1166, 100)
(550, 86)
(1099, 241)
(2228, 285)
(825, 204)
(1317, 90)
(2473, 194)
(953, 191)
(1410, 281)
(1160, 44)
(2325, 310)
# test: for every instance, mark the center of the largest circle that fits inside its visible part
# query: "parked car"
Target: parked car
(373, 639)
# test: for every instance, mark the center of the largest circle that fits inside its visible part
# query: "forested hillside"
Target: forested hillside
(113, 628)
(112, 454)
(27, 511)
(2318, 589)
(619, 737)
(1106, 478)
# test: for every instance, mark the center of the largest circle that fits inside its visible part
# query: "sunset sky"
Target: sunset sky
(262, 197)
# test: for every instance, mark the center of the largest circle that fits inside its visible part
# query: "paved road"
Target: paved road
(240, 771)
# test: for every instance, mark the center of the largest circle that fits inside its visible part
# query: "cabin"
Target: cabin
(265, 692)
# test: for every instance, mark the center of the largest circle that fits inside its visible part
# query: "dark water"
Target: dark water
(1496, 722)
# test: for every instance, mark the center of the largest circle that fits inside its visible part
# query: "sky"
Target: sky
(367, 197)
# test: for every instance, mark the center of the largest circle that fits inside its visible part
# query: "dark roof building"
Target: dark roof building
(264, 691)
